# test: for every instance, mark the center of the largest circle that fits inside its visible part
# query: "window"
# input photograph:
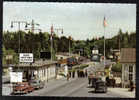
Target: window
(130, 68)
(130, 76)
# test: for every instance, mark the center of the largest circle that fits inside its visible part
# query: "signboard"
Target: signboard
(26, 57)
(94, 51)
(16, 76)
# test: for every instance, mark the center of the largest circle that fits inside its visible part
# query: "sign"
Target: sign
(26, 57)
(16, 76)
(94, 51)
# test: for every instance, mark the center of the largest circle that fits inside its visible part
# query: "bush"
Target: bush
(117, 67)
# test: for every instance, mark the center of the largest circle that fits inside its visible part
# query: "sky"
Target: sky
(80, 20)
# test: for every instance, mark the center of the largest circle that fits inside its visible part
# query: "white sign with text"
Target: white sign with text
(16, 76)
(26, 57)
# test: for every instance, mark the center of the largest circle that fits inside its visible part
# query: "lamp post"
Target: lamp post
(19, 24)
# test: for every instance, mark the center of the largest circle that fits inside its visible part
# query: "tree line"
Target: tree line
(36, 43)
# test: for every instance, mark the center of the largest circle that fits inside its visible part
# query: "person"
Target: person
(86, 73)
(107, 81)
(68, 76)
(73, 74)
(113, 82)
(90, 79)
(78, 73)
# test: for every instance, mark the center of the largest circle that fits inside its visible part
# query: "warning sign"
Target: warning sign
(26, 57)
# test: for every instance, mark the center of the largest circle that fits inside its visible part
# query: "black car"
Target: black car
(100, 86)
(94, 80)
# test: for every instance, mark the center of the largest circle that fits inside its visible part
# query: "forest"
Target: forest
(41, 42)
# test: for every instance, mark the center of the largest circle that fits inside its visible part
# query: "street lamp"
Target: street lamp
(18, 22)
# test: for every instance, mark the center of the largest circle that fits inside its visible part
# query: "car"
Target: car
(72, 61)
(100, 86)
(22, 88)
(95, 58)
(37, 84)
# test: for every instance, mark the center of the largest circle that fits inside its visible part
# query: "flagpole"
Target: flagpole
(104, 25)
(104, 47)
(51, 47)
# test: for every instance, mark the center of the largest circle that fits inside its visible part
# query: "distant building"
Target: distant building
(128, 61)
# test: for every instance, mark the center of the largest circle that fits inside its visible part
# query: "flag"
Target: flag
(104, 22)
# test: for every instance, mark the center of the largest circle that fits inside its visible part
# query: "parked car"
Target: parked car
(72, 61)
(37, 84)
(100, 86)
(22, 88)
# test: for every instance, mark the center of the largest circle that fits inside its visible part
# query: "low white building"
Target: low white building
(43, 70)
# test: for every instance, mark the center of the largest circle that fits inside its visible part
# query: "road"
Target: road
(75, 88)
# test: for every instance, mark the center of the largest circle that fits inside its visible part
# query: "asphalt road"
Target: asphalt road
(75, 88)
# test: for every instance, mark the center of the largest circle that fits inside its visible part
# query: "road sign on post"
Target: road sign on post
(26, 57)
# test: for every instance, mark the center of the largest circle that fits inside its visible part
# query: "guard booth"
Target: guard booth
(42, 71)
